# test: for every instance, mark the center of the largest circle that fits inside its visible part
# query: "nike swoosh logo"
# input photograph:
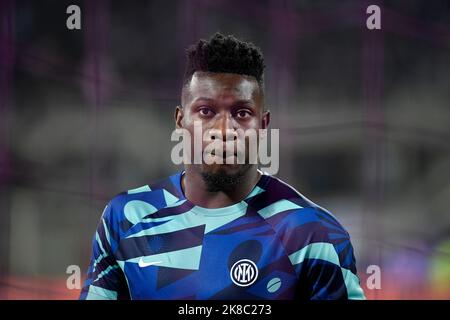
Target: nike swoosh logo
(143, 264)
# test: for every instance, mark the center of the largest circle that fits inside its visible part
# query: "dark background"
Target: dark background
(363, 115)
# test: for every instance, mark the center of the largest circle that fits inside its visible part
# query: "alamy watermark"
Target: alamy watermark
(373, 21)
(373, 280)
(73, 281)
(239, 146)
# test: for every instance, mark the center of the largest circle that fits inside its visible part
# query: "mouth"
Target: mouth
(223, 154)
(221, 158)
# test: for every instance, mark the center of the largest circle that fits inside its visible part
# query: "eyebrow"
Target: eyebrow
(243, 101)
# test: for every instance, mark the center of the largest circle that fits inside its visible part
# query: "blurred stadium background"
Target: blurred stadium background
(364, 118)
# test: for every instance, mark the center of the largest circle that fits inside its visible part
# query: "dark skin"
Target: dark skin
(220, 101)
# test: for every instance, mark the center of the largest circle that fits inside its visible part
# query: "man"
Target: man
(220, 231)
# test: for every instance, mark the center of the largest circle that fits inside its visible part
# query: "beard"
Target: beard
(222, 180)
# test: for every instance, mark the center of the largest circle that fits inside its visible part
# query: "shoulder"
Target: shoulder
(281, 203)
(302, 224)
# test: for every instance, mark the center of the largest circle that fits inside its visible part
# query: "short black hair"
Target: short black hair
(225, 54)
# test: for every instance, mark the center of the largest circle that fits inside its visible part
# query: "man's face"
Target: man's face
(221, 101)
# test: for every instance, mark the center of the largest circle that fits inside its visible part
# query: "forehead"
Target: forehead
(219, 86)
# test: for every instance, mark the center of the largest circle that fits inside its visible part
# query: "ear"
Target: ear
(265, 119)
(178, 117)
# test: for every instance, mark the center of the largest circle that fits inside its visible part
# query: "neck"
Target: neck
(195, 189)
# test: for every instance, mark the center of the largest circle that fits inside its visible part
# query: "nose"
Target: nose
(223, 128)
(226, 127)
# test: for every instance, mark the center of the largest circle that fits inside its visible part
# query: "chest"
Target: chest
(225, 264)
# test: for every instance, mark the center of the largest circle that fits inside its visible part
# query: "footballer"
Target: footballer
(221, 230)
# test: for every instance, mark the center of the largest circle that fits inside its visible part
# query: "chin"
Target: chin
(223, 168)
(223, 177)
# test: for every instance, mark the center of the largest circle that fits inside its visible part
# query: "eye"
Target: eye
(205, 111)
(243, 114)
